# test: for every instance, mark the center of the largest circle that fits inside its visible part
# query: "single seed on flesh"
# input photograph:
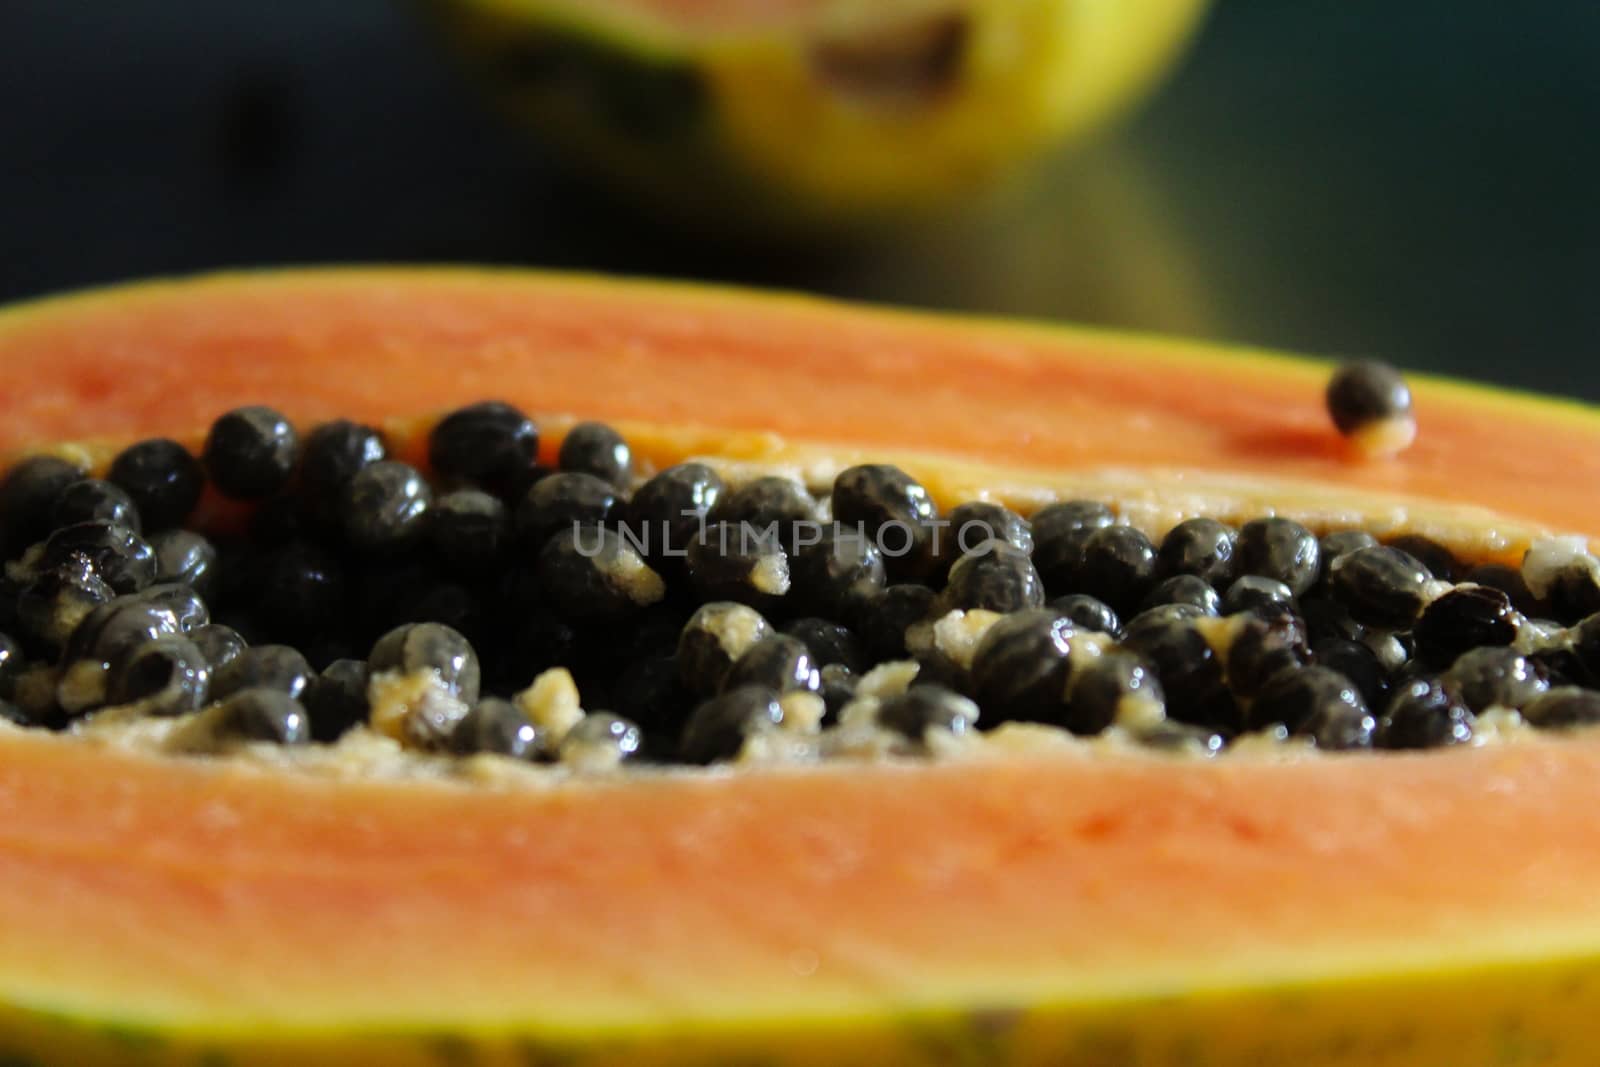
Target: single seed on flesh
(276, 667)
(1370, 404)
(1281, 549)
(668, 511)
(336, 700)
(334, 453)
(715, 636)
(597, 449)
(1184, 589)
(592, 574)
(1200, 547)
(269, 715)
(828, 574)
(1021, 666)
(718, 728)
(500, 727)
(1564, 706)
(562, 502)
(385, 507)
(1438, 560)
(893, 511)
(489, 444)
(187, 557)
(1318, 703)
(883, 618)
(119, 555)
(1467, 617)
(601, 739)
(1486, 677)
(250, 453)
(1335, 544)
(1356, 662)
(468, 531)
(1424, 714)
(28, 498)
(828, 642)
(432, 647)
(924, 707)
(1088, 613)
(995, 576)
(91, 499)
(163, 480)
(1257, 595)
(777, 661)
(1115, 687)
(167, 676)
(1380, 586)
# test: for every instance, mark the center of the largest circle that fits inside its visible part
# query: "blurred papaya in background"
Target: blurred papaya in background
(814, 117)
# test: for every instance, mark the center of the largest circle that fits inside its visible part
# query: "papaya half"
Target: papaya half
(1033, 899)
(805, 114)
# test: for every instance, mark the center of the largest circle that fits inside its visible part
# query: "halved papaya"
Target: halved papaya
(1032, 900)
(800, 112)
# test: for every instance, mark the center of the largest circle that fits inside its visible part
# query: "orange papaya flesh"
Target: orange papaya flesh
(1043, 906)
(1026, 413)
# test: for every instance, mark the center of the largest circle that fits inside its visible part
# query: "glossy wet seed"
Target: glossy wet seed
(498, 726)
(839, 567)
(167, 676)
(715, 636)
(1424, 714)
(491, 444)
(717, 729)
(1261, 649)
(1257, 595)
(1335, 544)
(779, 662)
(733, 561)
(1281, 549)
(1184, 589)
(1563, 707)
(923, 708)
(1059, 534)
(1488, 677)
(1380, 586)
(219, 643)
(771, 505)
(1186, 665)
(1358, 663)
(1114, 686)
(995, 576)
(1439, 561)
(385, 507)
(118, 554)
(1318, 703)
(561, 502)
(597, 449)
(893, 511)
(828, 641)
(1467, 617)
(250, 453)
(28, 497)
(602, 738)
(1088, 613)
(276, 667)
(187, 557)
(430, 646)
(90, 499)
(667, 511)
(1200, 547)
(51, 606)
(163, 480)
(269, 715)
(1021, 667)
(333, 454)
(973, 523)
(469, 531)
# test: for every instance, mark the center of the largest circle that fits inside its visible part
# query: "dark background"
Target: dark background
(1415, 180)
